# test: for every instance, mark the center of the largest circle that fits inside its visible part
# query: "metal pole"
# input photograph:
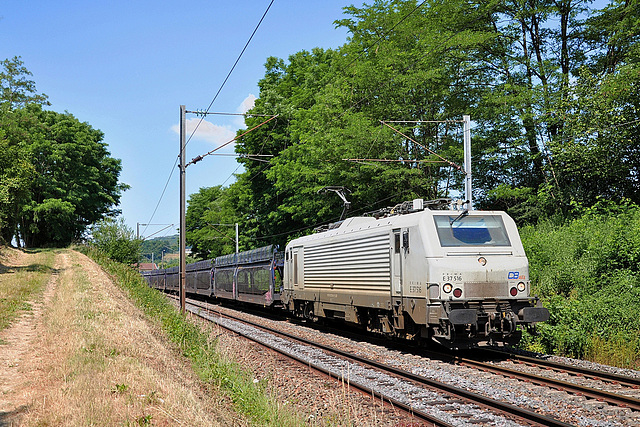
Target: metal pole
(467, 161)
(183, 224)
(237, 241)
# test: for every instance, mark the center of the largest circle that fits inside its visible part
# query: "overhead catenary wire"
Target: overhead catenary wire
(255, 30)
(159, 231)
(198, 158)
(164, 190)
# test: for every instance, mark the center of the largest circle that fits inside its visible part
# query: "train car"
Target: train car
(224, 277)
(155, 278)
(259, 276)
(253, 276)
(198, 278)
(172, 279)
(459, 278)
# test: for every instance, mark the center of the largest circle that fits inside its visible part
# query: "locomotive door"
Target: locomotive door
(396, 265)
(296, 266)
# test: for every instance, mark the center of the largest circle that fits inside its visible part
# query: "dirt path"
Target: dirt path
(85, 355)
(16, 354)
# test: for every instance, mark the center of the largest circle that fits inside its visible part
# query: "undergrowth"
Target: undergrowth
(587, 272)
(249, 398)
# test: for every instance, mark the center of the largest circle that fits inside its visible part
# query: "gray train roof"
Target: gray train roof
(265, 253)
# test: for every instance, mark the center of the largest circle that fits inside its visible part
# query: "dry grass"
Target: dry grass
(97, 361)
(22, 279)
(616, 351)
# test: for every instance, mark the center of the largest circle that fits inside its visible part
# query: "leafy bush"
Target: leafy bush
(587, 272)
(116, 240)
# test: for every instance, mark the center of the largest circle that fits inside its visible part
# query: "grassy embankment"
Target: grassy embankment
(587, 272)
(248, 397)
(23, 283)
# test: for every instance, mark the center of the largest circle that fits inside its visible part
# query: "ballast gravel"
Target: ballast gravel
(319, 397)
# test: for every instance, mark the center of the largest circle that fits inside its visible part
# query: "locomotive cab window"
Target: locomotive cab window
(471, 230)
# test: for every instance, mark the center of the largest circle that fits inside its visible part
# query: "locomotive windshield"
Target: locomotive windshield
(471, 230)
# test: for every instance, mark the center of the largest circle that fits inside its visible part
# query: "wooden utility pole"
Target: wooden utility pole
(183, 221)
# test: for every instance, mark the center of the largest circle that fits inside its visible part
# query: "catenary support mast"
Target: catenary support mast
(183, 221)
(467, 162)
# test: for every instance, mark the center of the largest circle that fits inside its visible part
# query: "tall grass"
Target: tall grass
(196, 344)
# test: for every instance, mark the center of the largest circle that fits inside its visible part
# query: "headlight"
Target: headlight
(447, 288)
(521, 286)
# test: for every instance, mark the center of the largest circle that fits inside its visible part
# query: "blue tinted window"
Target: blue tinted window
(471, 230)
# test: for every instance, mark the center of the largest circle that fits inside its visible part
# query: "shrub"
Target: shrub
(116, 240)
(587, 271)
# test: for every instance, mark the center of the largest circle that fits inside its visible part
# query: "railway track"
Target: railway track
(569, 387)
(576, 371)
(431, 401)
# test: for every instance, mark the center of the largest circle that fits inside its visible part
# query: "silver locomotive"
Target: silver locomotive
(460, 278)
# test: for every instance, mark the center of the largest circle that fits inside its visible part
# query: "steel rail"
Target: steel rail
(600, 395)
(506, 408)
(573, 370)
(369, 391)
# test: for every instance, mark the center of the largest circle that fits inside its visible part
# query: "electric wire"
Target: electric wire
(210, 105)
(164, 190)
(255, 30)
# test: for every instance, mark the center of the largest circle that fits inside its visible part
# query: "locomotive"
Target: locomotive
(459, 278)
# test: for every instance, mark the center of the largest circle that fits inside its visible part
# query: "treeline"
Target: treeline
(57, 176)
(155, 249)
(553, 90)
(551, 86)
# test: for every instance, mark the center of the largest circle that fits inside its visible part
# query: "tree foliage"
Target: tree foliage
(116, 240)
(551, 86)
(588, 273)
(56, 175)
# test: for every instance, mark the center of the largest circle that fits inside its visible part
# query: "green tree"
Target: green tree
(519, 68)
(17, 90)
(16, 170)
(207, 210)
(72, 165)
(116, 240)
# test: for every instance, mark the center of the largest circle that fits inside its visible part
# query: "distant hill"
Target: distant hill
(154, 249)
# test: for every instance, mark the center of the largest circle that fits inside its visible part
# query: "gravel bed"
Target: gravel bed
(569, 408)
(315, 398)
(579, 363)
(435, 404)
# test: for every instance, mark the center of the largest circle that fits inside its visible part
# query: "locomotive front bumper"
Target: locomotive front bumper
(463, 316)
(467, 316)
(533, 314)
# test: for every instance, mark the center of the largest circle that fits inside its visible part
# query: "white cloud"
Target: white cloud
(207, 131)
(215, 134)
(247, 104)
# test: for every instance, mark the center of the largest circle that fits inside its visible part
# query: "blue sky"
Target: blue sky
(125, 67)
